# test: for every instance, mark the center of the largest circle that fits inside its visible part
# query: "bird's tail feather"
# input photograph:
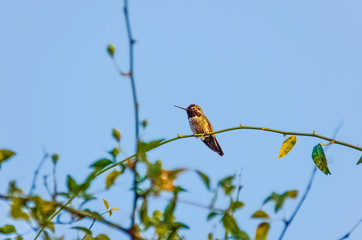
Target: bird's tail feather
(213, 144)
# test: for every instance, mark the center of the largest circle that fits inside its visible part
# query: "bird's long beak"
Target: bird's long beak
(181, 107)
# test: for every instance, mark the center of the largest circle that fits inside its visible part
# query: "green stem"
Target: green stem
(314, 134)
(56, 213)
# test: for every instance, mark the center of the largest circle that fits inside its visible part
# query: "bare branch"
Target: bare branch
(350, 232)
(37, 170)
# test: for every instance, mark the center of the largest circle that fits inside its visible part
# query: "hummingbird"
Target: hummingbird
(200, 124)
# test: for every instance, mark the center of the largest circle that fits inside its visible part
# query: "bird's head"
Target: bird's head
(192, 110)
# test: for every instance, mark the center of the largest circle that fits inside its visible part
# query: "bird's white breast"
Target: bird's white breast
(193, 123)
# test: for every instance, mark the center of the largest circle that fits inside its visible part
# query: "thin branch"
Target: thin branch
(350, 232)
(45, 177)
(102, 220)
(200, 135)
(56, 213)
(55, 193)
(90, 227)
(81, 214)
(131, 42)
(187, 202)
(240, 186)
(314, 134)
(288, 222)
(37, 170)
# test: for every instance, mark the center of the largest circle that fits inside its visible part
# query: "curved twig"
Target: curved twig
(200, 135)
(349, 233)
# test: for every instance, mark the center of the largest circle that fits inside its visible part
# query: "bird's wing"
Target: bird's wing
(213, 144)
(210, 126)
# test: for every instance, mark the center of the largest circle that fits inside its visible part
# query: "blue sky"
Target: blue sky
(292, 66)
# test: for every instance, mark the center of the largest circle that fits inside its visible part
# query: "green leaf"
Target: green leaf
(16, 210)
(46, 236)
(43, 209)
(143, 212)
(279, 199)
(212, 215)
(174, 228)
(87, 183)
(111, 49)
(236, 205)
(106, 204)
(260, 214)
(143, 147)
(92, 214)
(287, 145)
(230, 225)
(209, 236)
(320, 159)
(227, 185)
(116, 134)
(262, 231)
(83, 229)
(173, 174)
(5, 155)
(151, 145)
(73, 187)
(7, 229)
(114, 152)
(359, 161)
(169, 210)
(55, 158)
(154, 170)
(100, 164)
(111, 177)
(204, 178)
(102, 237)
(14, 190)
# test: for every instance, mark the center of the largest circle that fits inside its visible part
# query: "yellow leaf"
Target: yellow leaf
(5, 154)
(111, 49)
(293, 193)
(110, 212)
(111, 177)
(260, 214)
(262, 231)
(116, 134)
(106, 203)
(16, 209)
(287, 145)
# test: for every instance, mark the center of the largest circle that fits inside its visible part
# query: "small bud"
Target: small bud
(116, 134)
(110, 50)
(114, 152)
(55, 158)
(144, 123)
